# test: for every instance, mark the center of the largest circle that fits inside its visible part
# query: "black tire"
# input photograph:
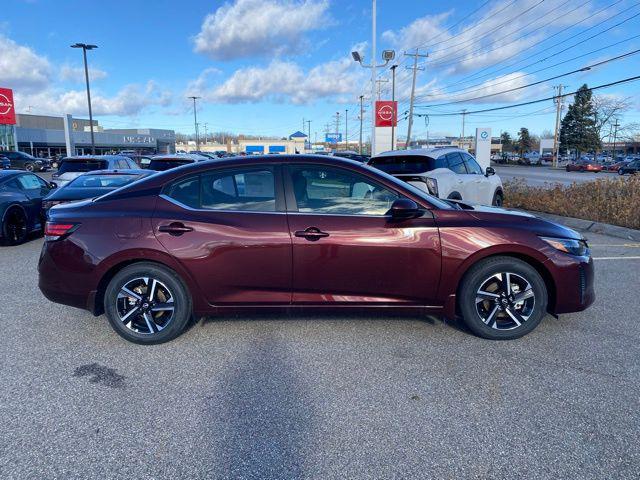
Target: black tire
(14, 226)
(568, 168)
(30, 167)
(135, 329)
(581, 170)
(498, 199)
(500, 325)
(620, 171)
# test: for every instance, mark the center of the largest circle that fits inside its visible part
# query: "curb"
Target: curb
(590, 226)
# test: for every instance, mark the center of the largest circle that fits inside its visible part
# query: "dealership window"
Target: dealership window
(329, 190)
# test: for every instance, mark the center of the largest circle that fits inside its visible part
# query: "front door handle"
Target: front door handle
(312, 234)
(175, 228)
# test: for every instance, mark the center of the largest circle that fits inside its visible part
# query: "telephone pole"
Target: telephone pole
(309, 137)
(346, 132)
(379, 82)
(361, 117)
(205, 133)
(393, 99)
(415, 68)
(195, 121)
(559, 100)
(337, 128)
(615, 138)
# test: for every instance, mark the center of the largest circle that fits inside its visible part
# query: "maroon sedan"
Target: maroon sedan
(304, 231)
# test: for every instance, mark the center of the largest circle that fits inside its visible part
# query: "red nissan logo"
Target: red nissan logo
(5, 105)
(385, 113)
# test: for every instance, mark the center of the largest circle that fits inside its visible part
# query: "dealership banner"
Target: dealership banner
(7, 109)
(386, 113)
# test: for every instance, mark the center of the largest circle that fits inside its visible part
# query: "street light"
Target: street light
(195, 121)
(84, 48)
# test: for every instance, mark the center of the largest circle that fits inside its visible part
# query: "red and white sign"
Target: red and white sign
(386, 113)
(7, 109)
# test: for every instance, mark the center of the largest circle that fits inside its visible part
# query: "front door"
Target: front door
(228, 227)
(346, 250)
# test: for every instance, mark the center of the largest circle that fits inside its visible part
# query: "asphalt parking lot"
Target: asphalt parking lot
(309, 396)
(539, 176)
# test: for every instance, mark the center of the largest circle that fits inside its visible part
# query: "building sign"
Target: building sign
(277, 149)
(7, 108)
(483, 146)
(138, 139)
(333, 137)
(386, 113)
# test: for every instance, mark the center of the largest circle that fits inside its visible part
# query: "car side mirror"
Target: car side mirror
(53, 185)
(404, 208)
(489, 171)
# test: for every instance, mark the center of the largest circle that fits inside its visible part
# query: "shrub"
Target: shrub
(608, 200)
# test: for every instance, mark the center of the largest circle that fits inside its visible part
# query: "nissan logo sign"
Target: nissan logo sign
(385, 113)
(5, 105)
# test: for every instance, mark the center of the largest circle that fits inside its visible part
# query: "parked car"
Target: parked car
(142, 161)
(5, 163)
(281, 231)
(24, 161)
(614, 167)
(160, 163)
(352, 156)
(449, 173)
(584, 165)
(21, 195)
(630, 168)
(92, 185)
(72, 167)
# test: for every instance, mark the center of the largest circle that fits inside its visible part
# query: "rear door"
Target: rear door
(347, 250)
(478, 186)
(455, 163)
(228, 227)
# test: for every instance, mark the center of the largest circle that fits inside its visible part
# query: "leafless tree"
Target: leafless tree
(608, 110)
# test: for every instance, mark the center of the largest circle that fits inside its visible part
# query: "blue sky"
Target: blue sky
(262, 66)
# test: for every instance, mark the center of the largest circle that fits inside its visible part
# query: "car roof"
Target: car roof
(181, 156)
(95, 157)
(4, 174)
(434, 152)
(116, 171)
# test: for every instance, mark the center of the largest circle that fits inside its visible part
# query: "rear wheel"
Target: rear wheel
(498, 199)
(502, 298)
(147, 304)
(14, 226)
(29, 167)
(620, 171)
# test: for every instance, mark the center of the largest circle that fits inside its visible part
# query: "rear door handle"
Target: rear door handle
(175, 228)
(312, 234)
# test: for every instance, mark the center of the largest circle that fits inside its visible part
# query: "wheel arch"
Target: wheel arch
(455, 195)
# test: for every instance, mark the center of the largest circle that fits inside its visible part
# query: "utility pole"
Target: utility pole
(415, 56)
(615, 138)
(393, 99)
(337, 128)
(84, 48)
(379, 82)
(373, 76)
(464, 114)
(556, 144)
(346, 131)
(195, 121)
(309, 137)
(205, 133)
(361, 118)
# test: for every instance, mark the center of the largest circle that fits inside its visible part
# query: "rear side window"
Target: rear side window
(82, 166)
(399, 164)
(456, 164)
(162, 165)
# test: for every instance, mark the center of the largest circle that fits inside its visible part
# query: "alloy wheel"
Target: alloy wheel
(145, 305)
(505, 301)
(15, 226)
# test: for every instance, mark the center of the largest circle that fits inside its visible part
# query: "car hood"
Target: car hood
(515, 218)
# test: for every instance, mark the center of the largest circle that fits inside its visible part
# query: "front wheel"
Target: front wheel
(620, 171)
(14, 226)
(30, 167)
(498, 199)
(147, 303)
(502, 298)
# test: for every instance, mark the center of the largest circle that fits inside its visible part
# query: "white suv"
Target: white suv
(449, 173)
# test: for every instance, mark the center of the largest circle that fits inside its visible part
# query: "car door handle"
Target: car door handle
(176, 229)
(312, 234)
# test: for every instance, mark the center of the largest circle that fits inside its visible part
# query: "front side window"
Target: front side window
(456, 164)
(472, 165)
(334, 191)
(29, 182)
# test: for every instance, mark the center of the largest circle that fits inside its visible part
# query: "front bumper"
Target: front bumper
(575, 283)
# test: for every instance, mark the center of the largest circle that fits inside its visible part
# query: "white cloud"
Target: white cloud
(21, 68)
(249, 28)
(76, 74)
(283, 81)
(129, 101)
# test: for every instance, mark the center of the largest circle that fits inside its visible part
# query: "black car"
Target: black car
(631, 168)
(5, 163)
(24, 161)
(93, 184)
(21, 195)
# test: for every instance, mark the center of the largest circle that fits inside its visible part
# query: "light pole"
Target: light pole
(361, 115)
(393, 99)
(195, 121)
(84, 48)
(387, 56)
(346, 132)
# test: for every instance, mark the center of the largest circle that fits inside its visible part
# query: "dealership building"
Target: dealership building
(46, 135)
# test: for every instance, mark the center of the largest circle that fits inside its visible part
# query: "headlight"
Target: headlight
(567, 245)
(432, 186)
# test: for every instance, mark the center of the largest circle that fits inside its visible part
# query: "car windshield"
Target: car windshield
(161, 165)
(400, 164)
(436, 202)
(102, 181)
(88, 165)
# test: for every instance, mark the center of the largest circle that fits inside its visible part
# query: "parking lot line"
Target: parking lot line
(628, 245)
(617, 258)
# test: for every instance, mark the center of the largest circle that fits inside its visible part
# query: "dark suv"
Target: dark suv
(631, 168)
(24, 161)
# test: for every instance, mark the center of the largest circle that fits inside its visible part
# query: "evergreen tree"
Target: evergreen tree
(578, 128)
(524, 141)
(507, 143)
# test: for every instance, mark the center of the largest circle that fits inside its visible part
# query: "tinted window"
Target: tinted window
(471, 164)
(186, 192)
(328, 190)
(406, 164)
(98, 181)
(252, 190)
(162, 165)
(456, 164)
(82, 165)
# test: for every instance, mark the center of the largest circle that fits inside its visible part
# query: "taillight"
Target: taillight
(55, 231)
